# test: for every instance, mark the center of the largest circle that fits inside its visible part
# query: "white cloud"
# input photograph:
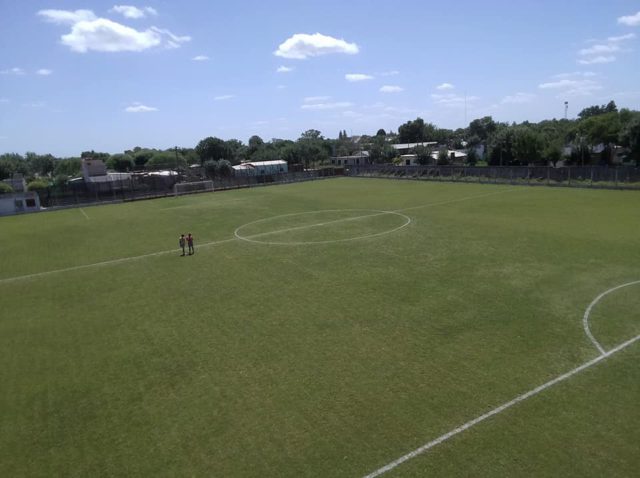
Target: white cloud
(565, 83)
(100, 34)
(284, 69)
(67, 17)
(630, 20)
(139, 108)
(390, 73)
(599, 49)
(597, 60)
(585, 74)
(602, 51)
(391, 89)
(452, 99)
(44, 72)
(568, 87)
(302, 45)
(445, 86)
(326, 106)
(200, 58)
(518, 98)
(281, 87)
(12, 71)
(353, 77)
(628, 36)
(105, 35)
(315, 99)
(174, 40)
(129, 11)
(223, 97)
(4, 100)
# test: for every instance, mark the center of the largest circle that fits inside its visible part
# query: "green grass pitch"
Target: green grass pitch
(322, 329)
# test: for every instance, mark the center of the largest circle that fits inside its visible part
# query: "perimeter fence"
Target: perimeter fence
(604, 177)
(141, 187)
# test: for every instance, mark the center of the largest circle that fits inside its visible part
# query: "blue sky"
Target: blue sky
(103, 75)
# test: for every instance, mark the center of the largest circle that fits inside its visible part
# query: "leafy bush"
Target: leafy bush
(120, 162)
(165, 160)
(443, 157)
(5, 188)
(37, 184)
(68, 167)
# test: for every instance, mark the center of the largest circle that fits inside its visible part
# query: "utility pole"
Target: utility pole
(176, 151)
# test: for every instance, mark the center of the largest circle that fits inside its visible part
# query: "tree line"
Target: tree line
(484, 139)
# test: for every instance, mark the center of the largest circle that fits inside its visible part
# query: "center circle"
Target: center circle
(384, 222)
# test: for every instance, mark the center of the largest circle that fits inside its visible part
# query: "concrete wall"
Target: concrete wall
(18, 203)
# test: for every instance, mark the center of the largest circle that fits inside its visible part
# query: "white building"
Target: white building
(260, 168)
(96, 177)
(18, 203)
(455, 157)
(362, 157)
(407, 148)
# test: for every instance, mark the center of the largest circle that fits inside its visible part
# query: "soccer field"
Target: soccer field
(327, 328)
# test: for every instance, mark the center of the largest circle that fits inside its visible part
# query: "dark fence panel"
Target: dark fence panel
(621, 177)
(135, 188)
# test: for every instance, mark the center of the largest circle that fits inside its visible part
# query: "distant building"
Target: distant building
(456, 157)
(357, 159)
(20, 200)
(17, 183)
(93, 168)
(18, 203)
(261, 168)
(407, 148)
(96, 177)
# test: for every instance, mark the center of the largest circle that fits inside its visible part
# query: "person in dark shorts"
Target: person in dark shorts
(182, 241)
(190, 243)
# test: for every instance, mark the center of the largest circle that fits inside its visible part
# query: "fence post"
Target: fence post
(591, 176)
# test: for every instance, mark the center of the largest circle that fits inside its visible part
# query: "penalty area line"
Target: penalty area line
(500, 409)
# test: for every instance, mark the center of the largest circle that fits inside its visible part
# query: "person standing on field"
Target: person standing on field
(190, 243)
(182, 241)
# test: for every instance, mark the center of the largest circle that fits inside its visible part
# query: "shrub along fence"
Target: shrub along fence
(621, 177)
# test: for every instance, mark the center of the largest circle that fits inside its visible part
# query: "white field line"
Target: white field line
(520, 398)
(330, 241)
(585, 319)
(84, 213)
(104, 263)
(153, 254)
(381, 213)
(308, 226)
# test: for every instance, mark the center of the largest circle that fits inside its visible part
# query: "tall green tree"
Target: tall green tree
(630, 138)
(527, 146)
(212, 148)
(482, 128)
(416, 131)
